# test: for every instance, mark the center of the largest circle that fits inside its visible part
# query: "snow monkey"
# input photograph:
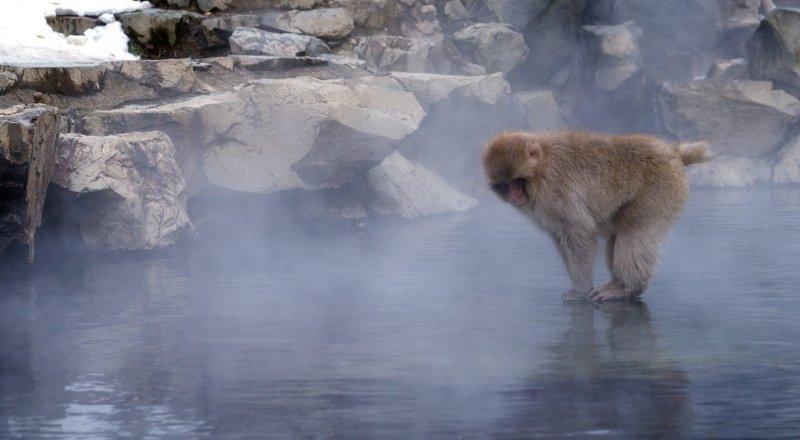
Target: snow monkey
(579, 186)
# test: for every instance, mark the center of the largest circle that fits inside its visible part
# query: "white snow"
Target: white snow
(26, 39)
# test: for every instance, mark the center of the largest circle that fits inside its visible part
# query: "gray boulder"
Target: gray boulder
(729, 69)
(743, 118)
(329, 23)
(552, 38)
(129, 189)
(618, 54)
(492, 45)
(787, 168)
(369, 14)
(28, 138)
(727, 171)
(432, 88)
(455, 10)
(517, 13)
(250, 41)
(540, 108)
(386, 53)
(99, 86)
(72, 24)
(399, 187)
(391, 53)
(421, 20)
(774, 50)
(171, 76)
(7, 81)
(275, 135)
(70, 81)
(740, 19)
(213, 5)
(159, 26)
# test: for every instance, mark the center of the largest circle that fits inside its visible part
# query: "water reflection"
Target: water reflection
(450, 328)
(616, 383)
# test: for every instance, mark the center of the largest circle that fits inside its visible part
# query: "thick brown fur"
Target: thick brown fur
(580, 186)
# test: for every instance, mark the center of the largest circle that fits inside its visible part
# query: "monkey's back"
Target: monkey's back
(610, 173)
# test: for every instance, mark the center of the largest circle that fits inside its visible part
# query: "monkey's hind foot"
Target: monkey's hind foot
(613, 291)
(575, 296)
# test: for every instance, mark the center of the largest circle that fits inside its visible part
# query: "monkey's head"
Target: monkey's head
(510, 161)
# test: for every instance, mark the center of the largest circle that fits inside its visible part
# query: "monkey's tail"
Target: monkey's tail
(694, 152)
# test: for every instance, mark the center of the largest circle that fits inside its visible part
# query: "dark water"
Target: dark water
(446, 328)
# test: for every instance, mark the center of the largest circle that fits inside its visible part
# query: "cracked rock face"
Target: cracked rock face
(400, 187)
(251, 41)
(130, 190)
(744, 118)
(28, 137)
(493, 45)
(273, 135)
(774, 50)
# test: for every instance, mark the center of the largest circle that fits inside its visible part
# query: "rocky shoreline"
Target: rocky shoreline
(377, 107)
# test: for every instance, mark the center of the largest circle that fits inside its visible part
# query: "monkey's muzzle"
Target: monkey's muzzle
(516, 194)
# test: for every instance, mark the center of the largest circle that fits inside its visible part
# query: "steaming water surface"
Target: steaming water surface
(445, 328)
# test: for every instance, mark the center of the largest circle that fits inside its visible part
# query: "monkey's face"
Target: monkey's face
(510, 160)
(513, 192)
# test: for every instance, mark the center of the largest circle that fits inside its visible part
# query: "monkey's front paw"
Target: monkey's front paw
(575, 296)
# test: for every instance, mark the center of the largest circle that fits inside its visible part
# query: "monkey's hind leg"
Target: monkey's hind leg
(609, 264)
(633, 256)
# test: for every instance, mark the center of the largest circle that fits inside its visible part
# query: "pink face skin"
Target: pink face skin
(516, 193)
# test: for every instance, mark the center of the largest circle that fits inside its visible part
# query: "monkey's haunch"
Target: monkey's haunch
(578, 186)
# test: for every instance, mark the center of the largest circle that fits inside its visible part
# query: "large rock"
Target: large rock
(165, 34)
(329, 23)
(28, 138)
(618, 54)
(400, 187)
(72, 24)
(172, 76)
(729, 69)
(517, 13)
(726, 171)
(70, 81)
(455, 10)
(675, 34)
(433, 88)
(213, 5)
(492, 45)
(99, 86)
(420, 21)
(391, 53)
(369, 14)
(774, 50)
(680, 36)
(129, 189)
(552, 39)
(739, 20)
(194, 124)
(540, 108)
(7, 81)
(258, 5)
(787, 169)
(743, 118)
(618, 87)
(250, 41)
(273, 135)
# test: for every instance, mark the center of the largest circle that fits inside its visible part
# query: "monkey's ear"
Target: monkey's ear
(534, 150)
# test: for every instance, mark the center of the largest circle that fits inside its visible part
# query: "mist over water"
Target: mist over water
(450, 327)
